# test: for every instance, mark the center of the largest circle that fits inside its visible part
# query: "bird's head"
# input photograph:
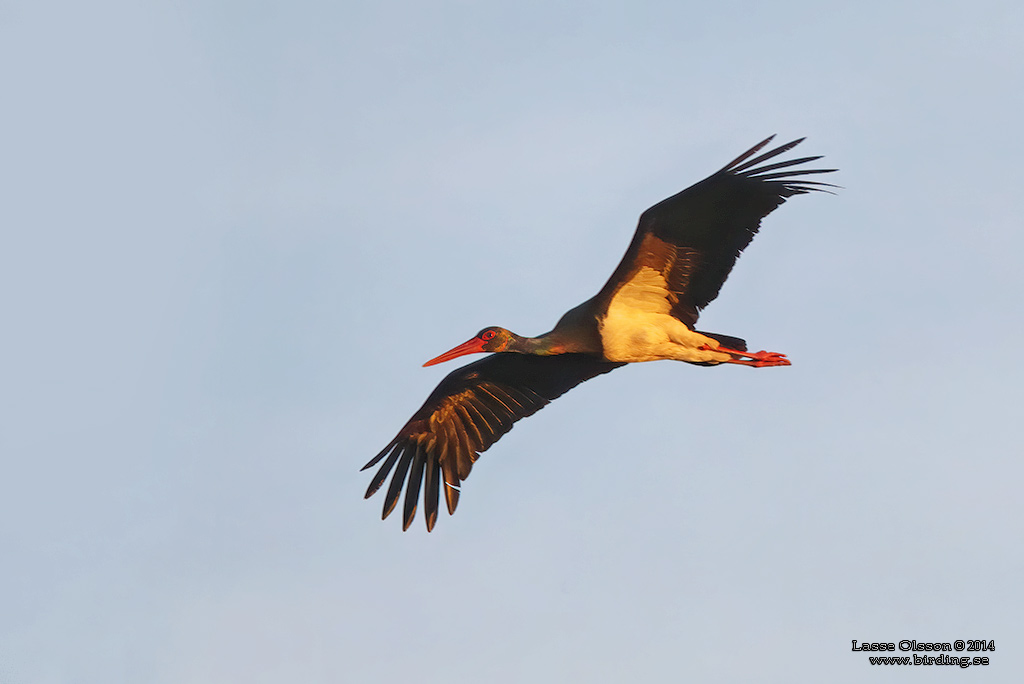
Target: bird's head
(493, 339)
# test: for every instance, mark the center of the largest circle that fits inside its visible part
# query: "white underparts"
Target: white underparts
(639, 325)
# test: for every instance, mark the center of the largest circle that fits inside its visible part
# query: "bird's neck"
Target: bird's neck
(545, 345)
(552, 343)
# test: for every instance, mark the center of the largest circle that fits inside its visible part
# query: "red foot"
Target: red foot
(761, 359)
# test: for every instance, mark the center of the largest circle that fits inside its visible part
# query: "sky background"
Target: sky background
(232, 232)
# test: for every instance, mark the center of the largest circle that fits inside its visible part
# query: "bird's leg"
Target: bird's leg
(759, 359)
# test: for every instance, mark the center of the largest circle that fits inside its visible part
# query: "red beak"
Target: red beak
(474, 346)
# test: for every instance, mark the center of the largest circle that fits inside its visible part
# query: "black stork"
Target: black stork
(682, 252)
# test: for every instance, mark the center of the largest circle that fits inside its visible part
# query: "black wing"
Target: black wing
(468, 412)
(694, 237)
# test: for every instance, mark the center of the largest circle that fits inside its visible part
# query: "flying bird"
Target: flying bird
(682, 253)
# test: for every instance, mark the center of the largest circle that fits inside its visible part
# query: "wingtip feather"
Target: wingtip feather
(397, 480)
(382, 474)
(774, 152)
(751, 151)
(412, 489)
(431, 490)
(373, 461)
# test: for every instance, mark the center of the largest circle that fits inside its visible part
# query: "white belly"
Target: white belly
(639, 326)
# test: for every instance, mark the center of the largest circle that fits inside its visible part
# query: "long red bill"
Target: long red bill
(473, 346)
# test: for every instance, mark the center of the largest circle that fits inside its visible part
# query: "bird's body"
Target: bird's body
(681, 254)
(638, 325)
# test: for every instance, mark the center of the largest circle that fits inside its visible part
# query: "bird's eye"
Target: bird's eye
(487, 335)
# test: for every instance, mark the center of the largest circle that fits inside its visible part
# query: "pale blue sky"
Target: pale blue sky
(233, 231)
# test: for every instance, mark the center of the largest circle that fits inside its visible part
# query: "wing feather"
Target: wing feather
(464, 457)
(779, 165)
(488, 421)
(476, 438)
(520, 398)
(431, 490)
(764, 157)
(382, 474)
(449, 469)
(694, 237)
(461, 434)
(412, 491)
(753, 150)
(398, 479)
(468, 412)
(506, 396)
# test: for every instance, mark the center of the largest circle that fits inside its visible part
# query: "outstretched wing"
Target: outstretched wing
(468, 412)
(692, 239)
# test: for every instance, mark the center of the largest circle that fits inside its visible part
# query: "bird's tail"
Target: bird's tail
(726, 341)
